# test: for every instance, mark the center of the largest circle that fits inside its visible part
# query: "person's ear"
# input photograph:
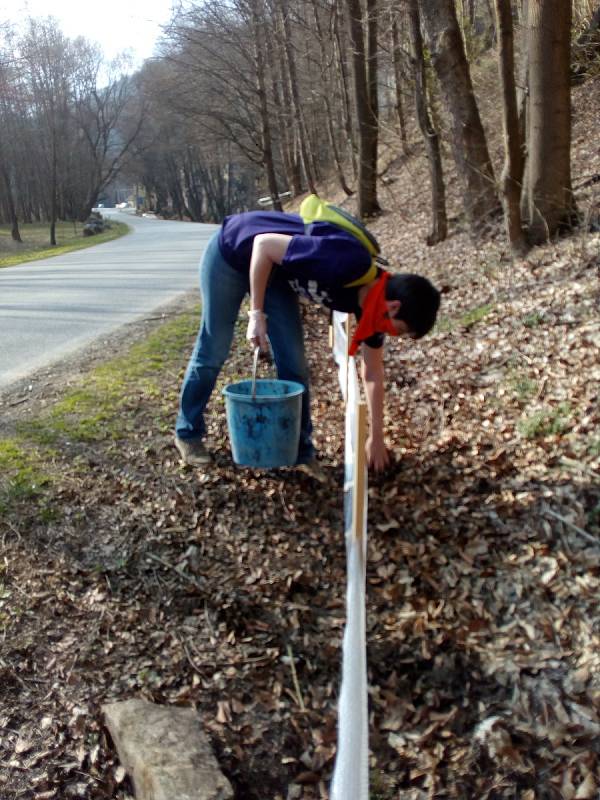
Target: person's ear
(393, 306)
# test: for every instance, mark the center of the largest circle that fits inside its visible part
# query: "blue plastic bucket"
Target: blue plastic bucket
(264, 430)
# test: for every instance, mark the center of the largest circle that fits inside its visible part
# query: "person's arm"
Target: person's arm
(378, 455)
(267, 249)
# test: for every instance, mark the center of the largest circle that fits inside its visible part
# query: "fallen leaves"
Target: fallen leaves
(483, 571)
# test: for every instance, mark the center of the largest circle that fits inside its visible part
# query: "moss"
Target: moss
(546, 422)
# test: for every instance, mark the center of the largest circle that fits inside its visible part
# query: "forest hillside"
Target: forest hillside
(125, 574)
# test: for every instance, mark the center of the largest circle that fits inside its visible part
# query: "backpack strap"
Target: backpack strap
(313, 209)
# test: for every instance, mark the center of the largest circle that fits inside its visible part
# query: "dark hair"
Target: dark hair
(419, 298)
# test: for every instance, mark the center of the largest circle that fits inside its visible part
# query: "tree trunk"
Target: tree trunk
(276, 72)
(439, 226)
(373, 118)
(522, 90)
(267, 146)
(301, 130)
(15, 234)
(53, 197)
(512, 174)
(193, 195)
(295, 170)
(345, 93)
(329, 111)
(468, 140)
(367, 120)
(398, 80)
(471, 12)
(550, 203)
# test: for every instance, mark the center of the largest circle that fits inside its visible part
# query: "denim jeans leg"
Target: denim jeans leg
(222, 290)
(284, 326)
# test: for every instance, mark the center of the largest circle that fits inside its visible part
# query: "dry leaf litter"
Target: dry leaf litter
(225, 589)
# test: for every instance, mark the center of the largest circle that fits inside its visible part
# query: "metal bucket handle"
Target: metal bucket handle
(255, 366)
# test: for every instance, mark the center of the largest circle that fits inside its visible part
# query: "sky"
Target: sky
(116, 25)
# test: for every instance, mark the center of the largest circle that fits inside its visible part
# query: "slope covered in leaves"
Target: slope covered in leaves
(225, 589)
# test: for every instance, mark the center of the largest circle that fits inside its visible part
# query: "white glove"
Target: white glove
(257, 330)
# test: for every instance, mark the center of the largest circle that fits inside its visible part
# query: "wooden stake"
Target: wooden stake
(359, 488)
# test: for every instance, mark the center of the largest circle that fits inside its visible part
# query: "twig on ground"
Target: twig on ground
(577, 529)
(211, 627)
(299, 697)
(181, 574)
(191, 661)
(579, 465)
(18, 402)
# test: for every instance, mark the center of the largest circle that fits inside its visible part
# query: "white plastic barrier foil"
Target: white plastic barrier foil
(351, 772)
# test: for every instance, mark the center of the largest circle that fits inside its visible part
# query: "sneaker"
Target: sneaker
(193, 451)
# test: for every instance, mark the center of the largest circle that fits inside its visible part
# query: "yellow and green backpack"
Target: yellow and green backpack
(313, 209)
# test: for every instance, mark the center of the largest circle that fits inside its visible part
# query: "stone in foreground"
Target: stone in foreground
(165, 752)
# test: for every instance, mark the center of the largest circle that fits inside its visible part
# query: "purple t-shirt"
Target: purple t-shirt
(320, 261)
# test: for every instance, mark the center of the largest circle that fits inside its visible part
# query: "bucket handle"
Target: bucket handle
(255, 366)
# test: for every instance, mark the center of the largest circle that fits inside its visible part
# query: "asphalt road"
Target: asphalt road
(54, 307)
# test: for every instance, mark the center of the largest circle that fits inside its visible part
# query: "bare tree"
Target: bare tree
(512, 174)
(282, 105)
(109, 114)
(294, 94)
(439, 227)
(265, 121)
(221, 80)
(398, 76)
(9, 124)
(344, 80)
(549, 204)
(468, 140)
(326, 70)
(48, 61)
(365, 91)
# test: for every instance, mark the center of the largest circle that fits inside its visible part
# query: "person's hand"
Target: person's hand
(378, 455)
(257, 330)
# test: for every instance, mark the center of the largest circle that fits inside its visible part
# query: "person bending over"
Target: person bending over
(276, 258)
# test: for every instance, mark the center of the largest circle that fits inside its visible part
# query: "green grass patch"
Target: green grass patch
(475, 315)
(104, 406)
(22, 476)
(444, 325)
(533, 320)
(522, 386)
(546, 422)
(467, 320)
(36, 238)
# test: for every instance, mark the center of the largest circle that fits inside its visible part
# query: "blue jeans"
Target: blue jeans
(222, 289)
